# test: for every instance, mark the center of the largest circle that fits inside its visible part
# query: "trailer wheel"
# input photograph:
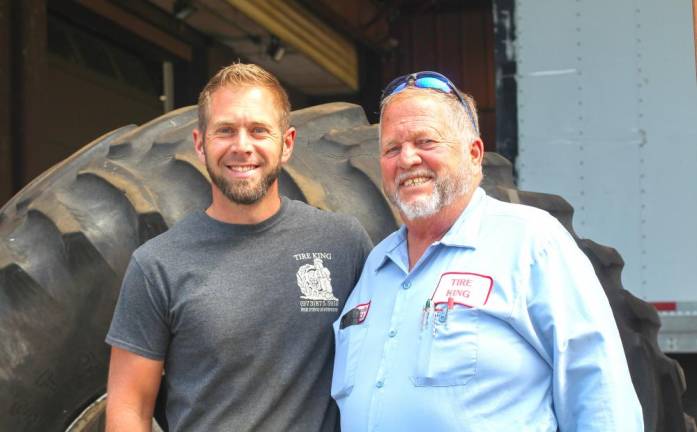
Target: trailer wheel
(66, 238)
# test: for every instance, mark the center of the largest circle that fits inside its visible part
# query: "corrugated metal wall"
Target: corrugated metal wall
(607, 103)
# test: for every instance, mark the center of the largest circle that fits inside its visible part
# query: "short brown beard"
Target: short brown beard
(238, 193)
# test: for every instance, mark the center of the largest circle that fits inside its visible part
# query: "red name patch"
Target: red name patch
(363, 311)
(463, 288)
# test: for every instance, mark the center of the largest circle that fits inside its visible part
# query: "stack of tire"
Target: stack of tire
(66, 238)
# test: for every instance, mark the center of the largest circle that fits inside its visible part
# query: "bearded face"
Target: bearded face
(247, 190)
(243, 145)
(426, 164)
(447, 187)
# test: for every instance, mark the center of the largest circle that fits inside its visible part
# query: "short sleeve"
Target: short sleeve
(363, 247)
(139, 324)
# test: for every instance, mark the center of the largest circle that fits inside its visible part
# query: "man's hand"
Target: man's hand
(131, 392)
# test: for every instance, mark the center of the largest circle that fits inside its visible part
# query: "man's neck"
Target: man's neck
(224, 210)
(423, 232)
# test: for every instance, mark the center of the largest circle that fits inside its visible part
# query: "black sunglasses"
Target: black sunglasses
(428, 80)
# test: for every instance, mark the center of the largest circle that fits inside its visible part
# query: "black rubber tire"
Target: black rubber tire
(66, 238)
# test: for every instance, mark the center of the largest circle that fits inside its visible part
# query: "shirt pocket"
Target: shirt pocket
(448, 355)
(349, 342)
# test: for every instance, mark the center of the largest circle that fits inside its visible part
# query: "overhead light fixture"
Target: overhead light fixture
(183, 9)
(275, 50)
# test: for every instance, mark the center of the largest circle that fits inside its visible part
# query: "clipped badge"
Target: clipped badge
(355, 316)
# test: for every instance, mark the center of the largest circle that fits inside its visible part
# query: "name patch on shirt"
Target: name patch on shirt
(355, 316)
(467, 289)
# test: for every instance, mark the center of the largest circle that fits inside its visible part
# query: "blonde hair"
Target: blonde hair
(243, 75)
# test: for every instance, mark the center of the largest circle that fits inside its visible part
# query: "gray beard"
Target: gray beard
(446, 191)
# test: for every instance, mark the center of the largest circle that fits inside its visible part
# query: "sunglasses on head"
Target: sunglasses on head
(428, 80)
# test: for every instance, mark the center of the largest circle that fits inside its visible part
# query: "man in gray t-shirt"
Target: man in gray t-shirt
(236, 302)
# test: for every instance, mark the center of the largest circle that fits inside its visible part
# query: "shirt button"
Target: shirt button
(406, 285)
(379, 384)
(392, 333)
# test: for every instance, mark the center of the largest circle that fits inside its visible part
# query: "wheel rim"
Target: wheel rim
(93, 418)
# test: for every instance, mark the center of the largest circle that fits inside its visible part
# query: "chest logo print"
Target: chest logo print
(315, 283)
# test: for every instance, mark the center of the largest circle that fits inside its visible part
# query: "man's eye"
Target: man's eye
(426, 142)
(224, 131)
(259, 130)
(392, 151)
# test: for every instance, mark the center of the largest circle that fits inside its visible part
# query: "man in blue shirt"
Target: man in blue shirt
(477, 315)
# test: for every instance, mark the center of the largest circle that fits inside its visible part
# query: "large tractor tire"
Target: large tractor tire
(66, 238)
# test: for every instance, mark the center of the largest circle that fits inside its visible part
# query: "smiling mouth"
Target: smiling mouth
(241, 168)
(414, 181)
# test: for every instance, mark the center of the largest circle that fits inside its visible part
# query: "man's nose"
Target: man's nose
(242, 142)
(409, 156)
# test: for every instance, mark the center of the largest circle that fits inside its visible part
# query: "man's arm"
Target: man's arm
(592, 388)
(131, 391)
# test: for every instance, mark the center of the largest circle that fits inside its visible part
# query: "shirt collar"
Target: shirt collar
(465, 230)
(463, 233)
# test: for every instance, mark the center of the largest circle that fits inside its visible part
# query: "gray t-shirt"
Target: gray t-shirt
(242, 316)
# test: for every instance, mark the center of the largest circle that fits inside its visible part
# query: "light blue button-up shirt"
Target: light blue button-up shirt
(522, 337)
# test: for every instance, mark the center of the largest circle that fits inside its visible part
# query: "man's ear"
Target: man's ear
(288, 144)
(199, 142)
(476, 152)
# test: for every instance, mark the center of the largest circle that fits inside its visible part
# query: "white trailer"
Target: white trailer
(607, 118)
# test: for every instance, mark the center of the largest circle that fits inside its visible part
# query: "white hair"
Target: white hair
(457, 117)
